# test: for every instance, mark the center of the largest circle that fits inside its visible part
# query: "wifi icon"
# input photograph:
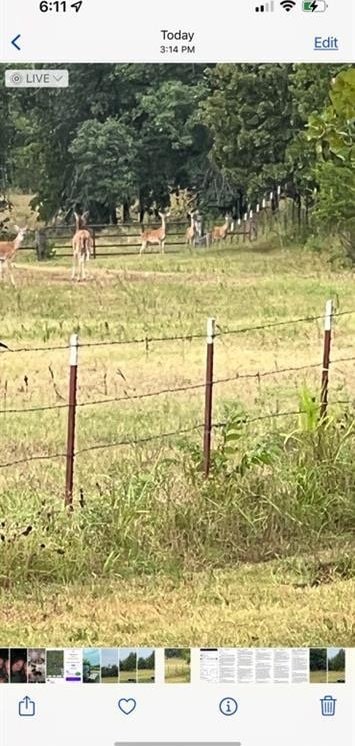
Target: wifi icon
(288, 5)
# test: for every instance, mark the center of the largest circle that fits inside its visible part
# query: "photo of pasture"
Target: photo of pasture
(177, 665)
(336, 665)
(128, 666)
(318, 666)
(177, 359)
(145, 666)
(109, 666)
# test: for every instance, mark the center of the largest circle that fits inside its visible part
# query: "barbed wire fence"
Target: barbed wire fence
(207, 425)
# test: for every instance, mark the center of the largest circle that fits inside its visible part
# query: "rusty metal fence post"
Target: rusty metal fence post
(211, 331)
(73, 377)
(328, 318)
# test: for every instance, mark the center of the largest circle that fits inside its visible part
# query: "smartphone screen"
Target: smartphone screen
(177, 249)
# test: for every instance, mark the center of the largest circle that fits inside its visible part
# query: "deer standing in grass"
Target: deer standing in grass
(82, 244)
(8, 251)
(219, 233)
(155, 235)
(192, 230)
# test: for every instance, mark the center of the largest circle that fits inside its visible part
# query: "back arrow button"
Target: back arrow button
(14, 42)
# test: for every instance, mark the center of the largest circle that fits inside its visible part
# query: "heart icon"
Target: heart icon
(127, 705)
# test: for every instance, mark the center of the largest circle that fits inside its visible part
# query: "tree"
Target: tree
(249, 113)
(154, 110)
(309, 86)
(318, 659)
(129, 663)
(104, 155)
(333, 135)
(337, 663)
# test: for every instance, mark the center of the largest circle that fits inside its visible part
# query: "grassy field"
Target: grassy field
(167, 556)
(146, 676)
(127, 677)
(177, 671)
(335, 676)
(318, 677)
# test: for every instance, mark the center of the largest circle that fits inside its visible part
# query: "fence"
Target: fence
(207, 426)
(274, 213)
(125, 238)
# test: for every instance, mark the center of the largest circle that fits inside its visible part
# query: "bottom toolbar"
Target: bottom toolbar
(118, 716)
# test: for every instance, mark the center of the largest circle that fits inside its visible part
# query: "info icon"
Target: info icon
(228, 706)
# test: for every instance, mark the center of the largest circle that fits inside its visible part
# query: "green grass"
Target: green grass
(148, 513)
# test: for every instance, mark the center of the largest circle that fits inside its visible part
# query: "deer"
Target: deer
(82, 244)
(8, 251)
(157, 235)
(219, 233)
(192, 230)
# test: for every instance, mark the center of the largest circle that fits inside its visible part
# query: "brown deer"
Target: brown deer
(192, 230)
(82, 244)
(219, 233)
(8, 251)
(155, 235)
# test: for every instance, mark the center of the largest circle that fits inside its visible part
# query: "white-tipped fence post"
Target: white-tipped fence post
(245, 226)
(211, 332)
(73, 377)
(328, 319)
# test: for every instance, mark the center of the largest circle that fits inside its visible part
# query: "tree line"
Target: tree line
(132, 135)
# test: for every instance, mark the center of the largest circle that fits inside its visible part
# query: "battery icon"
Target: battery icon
(314, 6)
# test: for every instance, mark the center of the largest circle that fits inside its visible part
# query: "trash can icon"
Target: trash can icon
(328, 705)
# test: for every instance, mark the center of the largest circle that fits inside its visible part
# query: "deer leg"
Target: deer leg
(143, 247)
(11, 276)
(162, 246)
(87, 259)
(73, 268)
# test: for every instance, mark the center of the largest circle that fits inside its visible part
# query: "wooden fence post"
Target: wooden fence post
(73, 376)
(93, 243)
(211, 331)
(328, 318)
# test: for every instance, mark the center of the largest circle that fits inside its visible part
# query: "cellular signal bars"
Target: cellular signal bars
(266, 8)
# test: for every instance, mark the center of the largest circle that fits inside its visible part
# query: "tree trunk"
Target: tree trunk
(126, 212)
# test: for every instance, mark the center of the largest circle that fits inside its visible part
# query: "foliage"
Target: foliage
(333, 132)
(248, 113)
(130, 136)
(104, 154)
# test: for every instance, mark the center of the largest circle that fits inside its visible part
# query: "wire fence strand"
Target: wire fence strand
(176, 338)
(178, 389)
(163, 436)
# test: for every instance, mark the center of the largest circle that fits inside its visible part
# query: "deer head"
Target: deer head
(21, 232)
